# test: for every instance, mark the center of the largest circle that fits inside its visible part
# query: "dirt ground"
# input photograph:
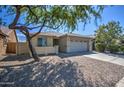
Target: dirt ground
(54, 71)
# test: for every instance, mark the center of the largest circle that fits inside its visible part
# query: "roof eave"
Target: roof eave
(78, 36)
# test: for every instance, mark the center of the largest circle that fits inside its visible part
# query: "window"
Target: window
(41, 41)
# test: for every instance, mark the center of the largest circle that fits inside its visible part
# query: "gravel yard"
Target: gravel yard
(53, 71)
(98, 73)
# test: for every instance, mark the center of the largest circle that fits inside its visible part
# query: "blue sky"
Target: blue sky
(110, 13)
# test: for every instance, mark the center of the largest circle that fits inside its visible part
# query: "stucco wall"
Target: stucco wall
(79, 39)
(22, 48)
(49, 41)
(34, 41)
(90, 45)
(12, 37)
(47, 50)
(68, 44)
(63, 44)
(2, 47)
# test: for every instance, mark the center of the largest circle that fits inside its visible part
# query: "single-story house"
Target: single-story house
(55, 42)
(8, 41)
(45, 43)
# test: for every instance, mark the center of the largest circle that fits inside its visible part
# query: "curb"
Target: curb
(120, 83)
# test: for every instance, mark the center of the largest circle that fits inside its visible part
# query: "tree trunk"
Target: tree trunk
(32, 49)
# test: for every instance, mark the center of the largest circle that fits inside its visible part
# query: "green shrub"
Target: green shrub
(122, 48)
(113, 48)
(100, 47)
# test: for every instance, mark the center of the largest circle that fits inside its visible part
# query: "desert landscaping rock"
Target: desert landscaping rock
(54, 71)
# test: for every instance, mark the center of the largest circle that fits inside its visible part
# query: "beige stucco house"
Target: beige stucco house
(44, 43)
(54, 43)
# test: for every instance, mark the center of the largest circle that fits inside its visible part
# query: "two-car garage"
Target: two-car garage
(75, 43)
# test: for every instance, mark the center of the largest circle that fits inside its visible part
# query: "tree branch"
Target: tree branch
(32, 13)
(13, 24)
(23, 32)
(39, 29)
(52, 27)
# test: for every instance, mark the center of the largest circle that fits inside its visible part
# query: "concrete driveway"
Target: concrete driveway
(112, 58)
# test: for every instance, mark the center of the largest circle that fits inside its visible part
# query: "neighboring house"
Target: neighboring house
(54, 42)
(7, 41)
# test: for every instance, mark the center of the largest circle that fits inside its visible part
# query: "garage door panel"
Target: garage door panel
(78, 46)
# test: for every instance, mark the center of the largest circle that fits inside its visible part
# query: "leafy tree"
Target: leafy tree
(122, 43)
(100, 38)
(27, 18)
(107, 36)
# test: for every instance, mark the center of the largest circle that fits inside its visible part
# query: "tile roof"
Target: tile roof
(6, 31)
(78, 35)
(51, 33)
(57, 34)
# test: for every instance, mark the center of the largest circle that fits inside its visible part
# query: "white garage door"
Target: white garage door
(76, 46)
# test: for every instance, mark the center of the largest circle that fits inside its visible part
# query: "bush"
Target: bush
(113, 48)
(100, 47)
(122, 48)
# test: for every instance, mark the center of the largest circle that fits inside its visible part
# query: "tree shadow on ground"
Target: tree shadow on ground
(40, 74)
(65, 55)
(115, 55)
(15, 58)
